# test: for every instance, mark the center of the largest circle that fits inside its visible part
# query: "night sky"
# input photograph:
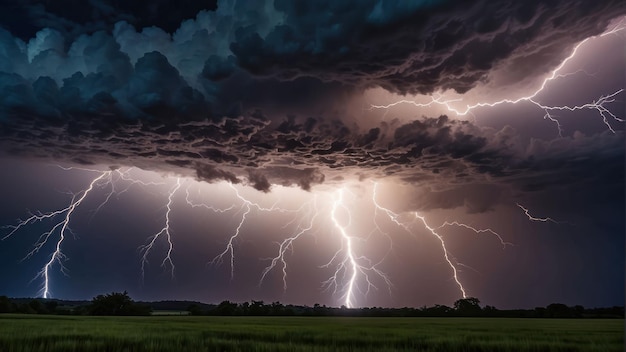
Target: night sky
(381, 154)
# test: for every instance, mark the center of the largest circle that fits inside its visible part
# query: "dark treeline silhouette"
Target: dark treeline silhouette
(114, 303)
(467, 307)
(122, 304)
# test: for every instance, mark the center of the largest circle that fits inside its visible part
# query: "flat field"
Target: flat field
(186, 333)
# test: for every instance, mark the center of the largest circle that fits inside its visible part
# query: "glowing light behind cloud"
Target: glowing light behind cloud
(497, 90)
(263, 101)
(345, 222)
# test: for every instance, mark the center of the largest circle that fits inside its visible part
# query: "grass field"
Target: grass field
(185, 333)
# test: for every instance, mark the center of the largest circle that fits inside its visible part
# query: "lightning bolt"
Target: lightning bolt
(396, 219)
(108, 178)
(478, 231)
(532, 218)
(193, 204)
(302, 228)
(353, 273)
(599, 105)
(246, 208)
(166, 231)
(351, 265)
(62, 227)
(446, 255)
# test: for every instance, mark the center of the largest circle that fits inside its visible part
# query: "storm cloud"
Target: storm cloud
(252, 91)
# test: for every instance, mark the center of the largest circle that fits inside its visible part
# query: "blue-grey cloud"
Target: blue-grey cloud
(249, 91)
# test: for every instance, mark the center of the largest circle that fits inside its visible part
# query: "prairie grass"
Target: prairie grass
(21, 333)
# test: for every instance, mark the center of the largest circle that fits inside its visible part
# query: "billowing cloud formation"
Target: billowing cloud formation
(251, 90)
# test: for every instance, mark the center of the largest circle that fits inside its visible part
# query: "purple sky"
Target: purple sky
(250, 123)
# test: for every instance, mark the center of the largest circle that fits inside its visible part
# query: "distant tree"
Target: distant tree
(244, 308)
(490, 311)
(277, 309)
(468, 306)
(225, 308)
(578, 311)
(195, 309)
(6, 306)
(437, 310)
(51, 306)
(540, 312)
(37, 307)
(25, 308)
(558, 310)
(258, 308)
(81, 310)
(116, 303)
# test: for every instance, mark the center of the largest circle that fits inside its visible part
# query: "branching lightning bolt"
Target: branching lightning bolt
(287, 244)
(599, 105)
(62, 227)
(446, 255)
(396, 219)
(352, 272)
(351, 265)
(246, 208)
(166, 230)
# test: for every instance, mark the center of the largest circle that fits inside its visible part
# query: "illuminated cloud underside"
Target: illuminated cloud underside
(247, 95)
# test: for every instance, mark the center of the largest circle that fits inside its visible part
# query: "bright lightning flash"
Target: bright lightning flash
(167, 261)
(351, 265)
(353, 272)
(599, 105)
(396, 218)
(103, 179)
(61, 227)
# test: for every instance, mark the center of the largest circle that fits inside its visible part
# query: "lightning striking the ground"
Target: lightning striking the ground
(61, 227)
(246, 207)
(394, 217)
(166, 231)
(104, 179)
(304, 226)
(349, 264)
(353, 273)
(599, 105)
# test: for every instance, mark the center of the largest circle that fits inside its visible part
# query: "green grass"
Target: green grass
(185, 333)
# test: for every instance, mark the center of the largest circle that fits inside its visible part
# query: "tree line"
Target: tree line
(117, 303)
(465, 307)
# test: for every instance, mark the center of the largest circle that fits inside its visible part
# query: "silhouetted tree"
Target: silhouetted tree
(6, 306)
(578, 311)
(540, 312)
(558, 310)
(437, 310)
(490, 311)
(244, 308)
(25, 308)
(225, 308)
(51, 306)
(468, 306)
(195, 309)
(258, 308)
(116, 303)
(37, 307)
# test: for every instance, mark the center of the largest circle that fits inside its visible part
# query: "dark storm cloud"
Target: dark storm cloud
(25, 17)
(250, 91)
(419, 46)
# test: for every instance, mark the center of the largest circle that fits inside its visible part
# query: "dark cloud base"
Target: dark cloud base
(248, 92)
